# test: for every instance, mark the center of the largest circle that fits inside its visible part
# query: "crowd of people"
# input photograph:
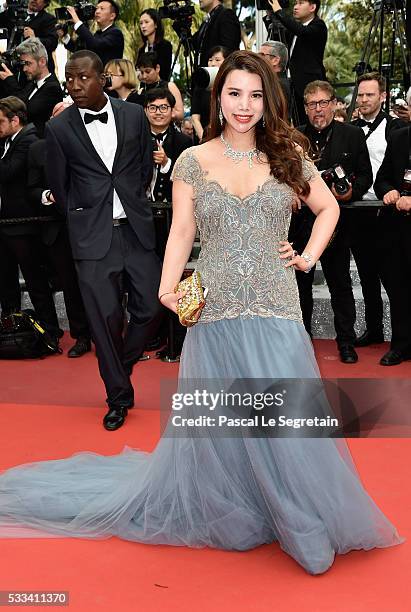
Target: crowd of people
(31, 94)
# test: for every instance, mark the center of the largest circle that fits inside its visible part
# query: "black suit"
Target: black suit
(335, 261)
(41, 104)
(55, 238)
(364, 236)
(21, 240)
(108, 45)
(174, 144)
(109, 259)
(393, 251)
(223, 29)
(43, 25)
(164, 52)
(306, 60)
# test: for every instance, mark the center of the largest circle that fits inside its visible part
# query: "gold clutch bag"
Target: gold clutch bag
(190, 306)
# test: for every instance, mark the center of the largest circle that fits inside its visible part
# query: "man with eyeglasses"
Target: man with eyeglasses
(168, 143)
(332, 143)
(306, 39)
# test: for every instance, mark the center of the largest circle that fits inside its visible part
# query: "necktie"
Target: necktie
(89, 118)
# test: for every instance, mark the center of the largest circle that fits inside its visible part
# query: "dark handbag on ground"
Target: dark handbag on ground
(22, 337)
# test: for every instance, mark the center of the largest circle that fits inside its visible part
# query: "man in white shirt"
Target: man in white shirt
(99, 164)
(366, 228)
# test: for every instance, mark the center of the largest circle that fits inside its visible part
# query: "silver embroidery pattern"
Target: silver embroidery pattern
(239, 260)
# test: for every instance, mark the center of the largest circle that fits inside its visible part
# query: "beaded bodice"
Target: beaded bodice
(239, 260)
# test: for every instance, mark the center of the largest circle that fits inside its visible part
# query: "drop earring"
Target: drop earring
(263, 122)
(221, 116)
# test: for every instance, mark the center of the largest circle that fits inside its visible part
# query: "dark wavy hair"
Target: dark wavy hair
(159, 35)
(276, 139)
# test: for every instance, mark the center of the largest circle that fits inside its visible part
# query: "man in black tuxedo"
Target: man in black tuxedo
(221, 27)
(333, 143)
(393, 254)
(168, 142)
(21, 239)
(39, 24)
(306, 38)
(99, 164)
(54, 236)
(107, 42)
(42, 91)
(377, 126)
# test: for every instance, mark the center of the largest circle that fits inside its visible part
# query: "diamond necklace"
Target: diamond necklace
(238, 156)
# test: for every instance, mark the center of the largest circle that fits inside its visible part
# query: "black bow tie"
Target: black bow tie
(364, 123)
(89, 118)
(161, 137)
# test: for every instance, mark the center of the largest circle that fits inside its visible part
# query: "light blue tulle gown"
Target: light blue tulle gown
(233, 493)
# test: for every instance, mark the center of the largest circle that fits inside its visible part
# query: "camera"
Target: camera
(337, 177)
(263, 5)
(173, 10)
(12, 60)
(84, 10)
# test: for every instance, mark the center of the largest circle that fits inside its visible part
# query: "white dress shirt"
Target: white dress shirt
(376, 144)
(104, 139)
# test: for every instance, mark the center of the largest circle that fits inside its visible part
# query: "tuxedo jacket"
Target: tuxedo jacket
(108, 45)
(39, 106)
(174, 144)
(223, 29)
(15, 202)
(306, 61)
(396, 160)
(83, 186)
(43, 25)
(36, 184)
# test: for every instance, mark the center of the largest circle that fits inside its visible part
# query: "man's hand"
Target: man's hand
(74, 17)
(275, 5)
(4, 72)
(160, 156)
(402, 112)
(28, 32)
(404, 203)
(391, 197)
(342, 198)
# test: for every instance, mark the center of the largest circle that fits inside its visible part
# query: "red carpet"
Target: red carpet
(53, 408)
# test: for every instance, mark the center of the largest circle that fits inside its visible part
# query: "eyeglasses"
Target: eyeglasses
(320, 103)
(153, 108)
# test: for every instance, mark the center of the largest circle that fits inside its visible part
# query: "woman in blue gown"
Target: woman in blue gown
(198, 489)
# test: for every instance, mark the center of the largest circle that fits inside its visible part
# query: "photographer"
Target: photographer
(306, 38)
(393, 186)
(20, 240)
(276, 54)
(42, 92)
(37, 24)
(220, 27)
(333, 143)
(107, 42)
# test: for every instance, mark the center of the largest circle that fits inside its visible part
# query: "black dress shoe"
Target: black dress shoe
(348, 354)
(393, 357)
(115, 418)
(369, 337)
(82, 346)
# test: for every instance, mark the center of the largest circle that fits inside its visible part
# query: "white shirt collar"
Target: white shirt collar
(106, 108)
(41, 82)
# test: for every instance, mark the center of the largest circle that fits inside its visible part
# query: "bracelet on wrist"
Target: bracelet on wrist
(309, 259)
(166, 293)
